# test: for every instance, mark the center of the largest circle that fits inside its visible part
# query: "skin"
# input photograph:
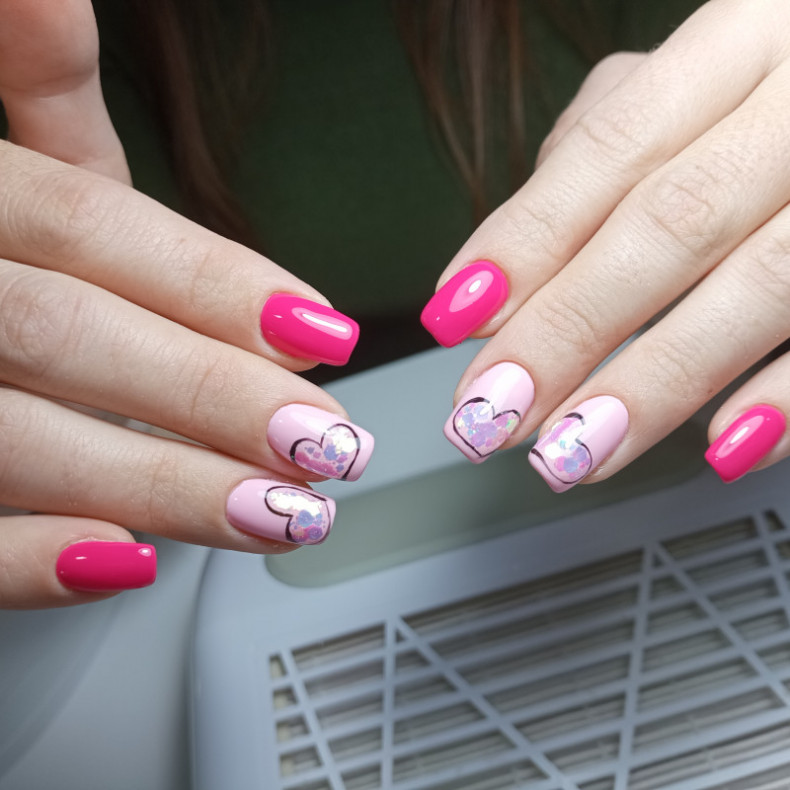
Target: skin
(664, 178)
(110, 300)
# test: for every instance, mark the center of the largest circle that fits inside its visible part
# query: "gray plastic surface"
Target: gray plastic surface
(640, 640)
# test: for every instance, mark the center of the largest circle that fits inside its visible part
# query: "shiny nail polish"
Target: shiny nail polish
(465, 302)
(490, 410)
(320, 441)
(746, 442)
(99, 566)
(280, 511)
(308, 330)
(580, 441)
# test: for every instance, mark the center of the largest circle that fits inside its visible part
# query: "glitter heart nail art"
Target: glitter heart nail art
(580, 441)
(481, 428)
(332, 456)
(491, 410)
(316, 440)
(563, 453)
(309, 520)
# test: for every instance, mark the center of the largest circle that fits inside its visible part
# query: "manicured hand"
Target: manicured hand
(113, 302)
(664, 183)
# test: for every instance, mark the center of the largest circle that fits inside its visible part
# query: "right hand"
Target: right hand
(111, 301)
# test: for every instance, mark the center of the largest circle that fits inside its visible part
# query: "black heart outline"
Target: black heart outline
(497, 414)
(538, 454)
(321, 445)
(290, 516)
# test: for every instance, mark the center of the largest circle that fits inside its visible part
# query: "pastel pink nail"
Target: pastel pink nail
(97, 566)
(490, 410)
(746, 442)
(465, 302)
(580, 441)
(280, 511)
(308, 330)
(320, 441)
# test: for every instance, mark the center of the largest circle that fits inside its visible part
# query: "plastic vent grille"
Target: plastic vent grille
(664, 668)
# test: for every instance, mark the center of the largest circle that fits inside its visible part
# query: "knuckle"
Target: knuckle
(618, 133)
(59, 212)
(523, 223)
(206, 381)
(689, 207)
(770, 270)
(41, 315)
(679, 365)
(571, 321)
(19, 423)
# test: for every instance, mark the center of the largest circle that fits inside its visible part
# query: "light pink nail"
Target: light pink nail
(280, 511)
(490, 410)
(465, 302)
(580, 441)
(746, 442)
(308, 330)
(320, 441)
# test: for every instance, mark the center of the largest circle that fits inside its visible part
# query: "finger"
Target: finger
(749, 432)
(50, 88)
(65, 219)
(634, 130)
(48, 561)
(667, 233)
(603, 77)
(732, 319)
(61, 461)
(70, 340)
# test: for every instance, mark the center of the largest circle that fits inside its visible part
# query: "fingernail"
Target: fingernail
(490, 410)
(320, 441)
(746, 442)
(308, 330)
(280, 511)
(96, 566)
(465, 302)
(580, 441)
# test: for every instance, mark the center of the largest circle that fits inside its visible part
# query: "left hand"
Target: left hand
(667, 177)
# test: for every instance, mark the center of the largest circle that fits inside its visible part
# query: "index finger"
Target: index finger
(66, 219)
(675, 95)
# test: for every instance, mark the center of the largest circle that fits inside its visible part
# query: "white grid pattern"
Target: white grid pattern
(666, 668)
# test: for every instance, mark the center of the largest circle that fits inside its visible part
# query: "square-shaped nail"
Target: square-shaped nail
(580, 441)
(100, 565)
(490, 410)
(465, 302)
(280, 511)
(320, 441)
(308, 330)
(746, 442)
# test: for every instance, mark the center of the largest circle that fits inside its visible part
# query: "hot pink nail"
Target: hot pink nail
(97, 566)
(308, 330)
(320, 441)
(490, 410)
(580, 441)
(280, 511)
(746, 442)
(465, 302)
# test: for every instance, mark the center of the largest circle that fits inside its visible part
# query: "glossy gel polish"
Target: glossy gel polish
(465, 302)
(579, 442)
(102, 566)
(490, 410)
(280, 511)
(320, 441)
(308, 330)
(746, 442)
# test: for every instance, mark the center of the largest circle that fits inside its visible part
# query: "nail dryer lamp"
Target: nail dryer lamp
(464, 628)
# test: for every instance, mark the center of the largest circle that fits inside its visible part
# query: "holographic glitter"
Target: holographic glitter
(333, 456)
(482, 428)
(308, 516)
(563, 452)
